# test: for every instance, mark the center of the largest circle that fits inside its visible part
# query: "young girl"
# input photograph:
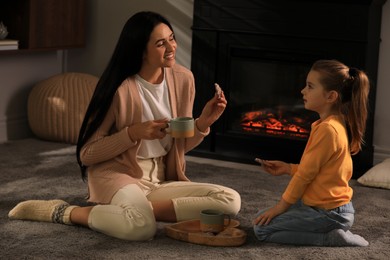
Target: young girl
(316, 207)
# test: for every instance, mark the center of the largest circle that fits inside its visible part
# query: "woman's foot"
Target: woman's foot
(56, 211)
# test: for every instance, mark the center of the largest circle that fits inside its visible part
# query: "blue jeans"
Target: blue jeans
(304, 225)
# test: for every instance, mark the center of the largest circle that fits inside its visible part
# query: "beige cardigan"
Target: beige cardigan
(110, 153)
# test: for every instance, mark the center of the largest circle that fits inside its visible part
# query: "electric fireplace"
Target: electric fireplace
(264, 96)
(260, 52)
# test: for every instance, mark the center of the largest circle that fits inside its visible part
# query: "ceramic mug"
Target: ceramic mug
(181, 127)
(212, 220)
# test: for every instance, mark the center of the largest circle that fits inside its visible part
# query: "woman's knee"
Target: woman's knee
(138, 225)
(230, 201)
(140, 232)
(133, 224)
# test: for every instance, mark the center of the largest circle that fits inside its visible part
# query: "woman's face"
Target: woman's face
(161, 48)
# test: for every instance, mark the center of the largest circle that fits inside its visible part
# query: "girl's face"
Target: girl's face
(161, 48)
(315, 97)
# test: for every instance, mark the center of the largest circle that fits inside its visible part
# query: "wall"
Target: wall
(382, 105)
(18, 73)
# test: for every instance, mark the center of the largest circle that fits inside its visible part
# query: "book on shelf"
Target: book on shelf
(9, 44)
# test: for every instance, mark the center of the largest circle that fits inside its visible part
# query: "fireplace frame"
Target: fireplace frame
(347, 30)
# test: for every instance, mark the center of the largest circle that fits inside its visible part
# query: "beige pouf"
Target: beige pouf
(56, 106)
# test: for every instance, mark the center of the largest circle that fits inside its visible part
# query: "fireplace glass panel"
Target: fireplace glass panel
(265, 97)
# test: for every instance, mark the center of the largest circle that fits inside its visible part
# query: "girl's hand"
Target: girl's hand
(267, 216)
(275, 168)
(212, 111)
(149, 130)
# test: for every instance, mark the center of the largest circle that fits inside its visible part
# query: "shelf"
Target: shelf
(45, 24)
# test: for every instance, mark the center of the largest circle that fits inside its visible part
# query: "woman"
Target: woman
(135, 171)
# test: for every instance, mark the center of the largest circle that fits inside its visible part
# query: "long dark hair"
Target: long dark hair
(126, 61)
(353, 87)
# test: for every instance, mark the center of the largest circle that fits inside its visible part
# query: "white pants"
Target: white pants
(130, 215)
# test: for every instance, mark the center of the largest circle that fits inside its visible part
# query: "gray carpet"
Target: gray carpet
(33, 169)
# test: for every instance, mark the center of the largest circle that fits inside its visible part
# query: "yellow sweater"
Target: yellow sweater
(321, 178)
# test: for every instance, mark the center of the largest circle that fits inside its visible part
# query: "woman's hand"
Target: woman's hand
(276, 168)
(149, 130)
(267, 216)
(212, 111)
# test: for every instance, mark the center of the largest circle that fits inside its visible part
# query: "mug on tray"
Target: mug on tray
(212, 220)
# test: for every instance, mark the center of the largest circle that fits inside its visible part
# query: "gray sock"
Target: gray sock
(339, 237)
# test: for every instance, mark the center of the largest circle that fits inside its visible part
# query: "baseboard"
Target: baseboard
(14, 128)
(380, 154)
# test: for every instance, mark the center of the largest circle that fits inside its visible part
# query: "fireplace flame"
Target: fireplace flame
(273, 123)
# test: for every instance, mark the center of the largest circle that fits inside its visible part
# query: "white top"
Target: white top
(155, 105)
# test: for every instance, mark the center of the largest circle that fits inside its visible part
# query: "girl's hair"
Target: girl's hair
(126, 61)
(353, 87)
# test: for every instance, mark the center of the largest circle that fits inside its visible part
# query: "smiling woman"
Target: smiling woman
(135, 171)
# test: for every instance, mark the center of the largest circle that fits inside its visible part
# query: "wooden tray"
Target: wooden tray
(189, 231)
